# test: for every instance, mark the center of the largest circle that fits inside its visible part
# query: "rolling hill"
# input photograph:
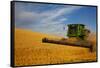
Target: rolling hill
(29, 50)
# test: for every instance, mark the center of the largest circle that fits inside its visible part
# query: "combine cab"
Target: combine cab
(78, 31)
(75, 31)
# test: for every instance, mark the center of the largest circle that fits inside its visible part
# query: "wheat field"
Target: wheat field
(29, 50)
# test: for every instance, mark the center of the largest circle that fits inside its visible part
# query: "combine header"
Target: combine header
(75, 31)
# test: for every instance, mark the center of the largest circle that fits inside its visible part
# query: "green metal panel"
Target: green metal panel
(75, 30)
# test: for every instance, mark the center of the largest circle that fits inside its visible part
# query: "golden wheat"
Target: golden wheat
(29, 50)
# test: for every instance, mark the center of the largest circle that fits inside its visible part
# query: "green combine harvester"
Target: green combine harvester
(75, 31)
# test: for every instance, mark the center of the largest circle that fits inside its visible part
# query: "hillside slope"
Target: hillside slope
(29, 50)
